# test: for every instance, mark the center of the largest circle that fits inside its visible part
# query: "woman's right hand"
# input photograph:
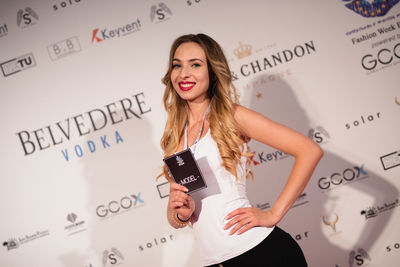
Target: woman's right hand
(180, 202)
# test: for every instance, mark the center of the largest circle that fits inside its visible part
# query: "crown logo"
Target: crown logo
(243, 51)
(180, 161)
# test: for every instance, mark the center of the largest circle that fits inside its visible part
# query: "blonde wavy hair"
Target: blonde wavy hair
(223, 99)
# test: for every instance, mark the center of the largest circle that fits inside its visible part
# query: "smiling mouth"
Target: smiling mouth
(186, 86)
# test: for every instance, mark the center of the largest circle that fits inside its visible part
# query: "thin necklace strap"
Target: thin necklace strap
(198, 135)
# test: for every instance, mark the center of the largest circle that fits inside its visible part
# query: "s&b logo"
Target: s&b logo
(27, 17)
(11, 243)
(124, 204)
(384, 56)
(347, 176)
(359, 257)
(18, 64)
(160, 13)
(319, 135)
(112, 257)
(376, 8)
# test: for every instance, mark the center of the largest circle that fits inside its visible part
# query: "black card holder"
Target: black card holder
(185, 171)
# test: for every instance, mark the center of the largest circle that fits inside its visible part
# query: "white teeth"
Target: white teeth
(186, 84)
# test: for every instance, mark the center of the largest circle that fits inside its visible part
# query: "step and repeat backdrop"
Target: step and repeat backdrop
(81, 118)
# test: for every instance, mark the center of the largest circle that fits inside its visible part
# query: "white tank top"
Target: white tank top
(222, 195)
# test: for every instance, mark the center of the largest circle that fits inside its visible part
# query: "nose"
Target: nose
(185, 72)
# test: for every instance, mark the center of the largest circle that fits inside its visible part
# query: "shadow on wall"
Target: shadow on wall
(324, 221)
(127, 223)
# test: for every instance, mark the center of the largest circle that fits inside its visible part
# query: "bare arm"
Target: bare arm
(307, 154)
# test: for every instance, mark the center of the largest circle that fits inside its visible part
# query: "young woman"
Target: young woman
(204, 114)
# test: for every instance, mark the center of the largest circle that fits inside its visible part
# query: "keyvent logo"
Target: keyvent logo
(18, 64)
(265, 157)
(99, 35)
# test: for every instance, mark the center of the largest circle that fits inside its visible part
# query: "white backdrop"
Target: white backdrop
(81, 118)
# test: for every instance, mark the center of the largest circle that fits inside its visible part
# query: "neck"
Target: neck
(196, 111)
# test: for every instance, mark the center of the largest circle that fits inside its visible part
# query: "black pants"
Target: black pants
(279, 249)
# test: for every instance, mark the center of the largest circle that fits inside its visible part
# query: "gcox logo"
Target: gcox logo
(124, 204)
(384, 56)
(346, 176)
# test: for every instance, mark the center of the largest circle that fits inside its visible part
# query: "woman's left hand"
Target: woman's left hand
(245, 218)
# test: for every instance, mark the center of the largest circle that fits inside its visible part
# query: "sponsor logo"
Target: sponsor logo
(179, 161)
(262, 80)
(190, 2)
(272, 60)
(301, 200)
(390, 160)
(65, 4)
(163, 189)
(331, 222)
(125, 204)
(159, 13)
(395, 246)
(75, 226)
(243, 51)
(26, 17)
(346, 176)
(112, 257)
(3, 30)
(155, 242)
(263, 206)
(13, 243)
(64, 48)
(375, 8)
(18, 64)
(319, 135)
(363, 120)
(359, 257)
(396, 101)
(84, 124)
(300, 236)
(263, 157)
(99, 35)
(374, 211)
(385, 57)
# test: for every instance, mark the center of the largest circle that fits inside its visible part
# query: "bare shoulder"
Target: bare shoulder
(261, 128)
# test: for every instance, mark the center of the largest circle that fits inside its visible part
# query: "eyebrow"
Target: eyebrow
(190, 60)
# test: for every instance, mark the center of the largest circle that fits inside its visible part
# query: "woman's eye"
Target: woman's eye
(196, 65)
(174, 66)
